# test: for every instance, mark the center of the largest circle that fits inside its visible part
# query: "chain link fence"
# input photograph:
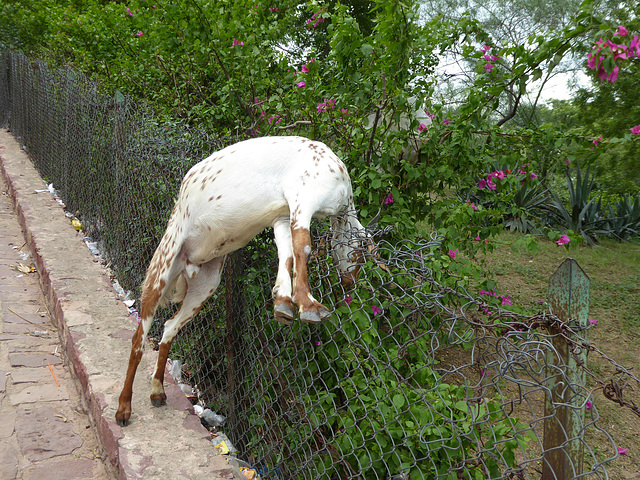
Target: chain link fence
(406, 380)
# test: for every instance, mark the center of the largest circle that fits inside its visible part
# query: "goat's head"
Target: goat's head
(351, 246)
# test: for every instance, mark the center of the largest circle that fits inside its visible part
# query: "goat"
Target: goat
(225, 201)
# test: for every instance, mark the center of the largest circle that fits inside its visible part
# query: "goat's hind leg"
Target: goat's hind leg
(199, 289)
(150, 298)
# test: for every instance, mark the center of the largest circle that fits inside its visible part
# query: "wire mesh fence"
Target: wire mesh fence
(407, 379)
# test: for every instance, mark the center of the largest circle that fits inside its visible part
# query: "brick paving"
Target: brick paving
(45, 432)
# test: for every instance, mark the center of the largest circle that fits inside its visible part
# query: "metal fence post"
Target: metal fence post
(564, 419)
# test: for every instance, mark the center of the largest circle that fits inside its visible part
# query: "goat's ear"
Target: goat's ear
(373, 251)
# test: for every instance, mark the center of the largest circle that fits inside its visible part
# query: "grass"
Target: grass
(614, 271)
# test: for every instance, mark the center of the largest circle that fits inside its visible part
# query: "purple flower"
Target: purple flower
(389, 200)
(446, 121)
(348, 299)
(301, 84)
(505, 300)
(376, 310)
(452, 253)
(318, 343)
(588, 405)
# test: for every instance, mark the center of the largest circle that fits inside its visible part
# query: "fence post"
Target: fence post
(564, 419)
(236, 324)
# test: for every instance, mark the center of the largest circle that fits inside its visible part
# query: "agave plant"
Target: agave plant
(624, 222)
(584, 214)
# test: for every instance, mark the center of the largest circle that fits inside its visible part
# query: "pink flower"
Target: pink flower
(348, 299)
(567, 161)
(563, 240)
(477, 239)
(505, 300)
(486, 48)
(273, 9)
(344, 111)
(301, 84)
(613, 76)
(593, 321)
(485, 373)
(139, 34)
(635, 130)
(621, 31)
(488, 67)
(498, 174)
(533, 175)
(622, 451)
(482, 184)
(492, 293)
(472, 205)
(430, 115)
(318, 343)
(389, 200)
(446, 121)
(422, 128)
(236, 42)
(376, 310)
(305, 69)
(595, 142)
(452, 253)
(588, 405)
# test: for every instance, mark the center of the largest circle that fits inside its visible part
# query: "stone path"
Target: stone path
(45, 432)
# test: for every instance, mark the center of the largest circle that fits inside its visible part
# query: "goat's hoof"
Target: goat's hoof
(158, 399)
(310, 316)
(122, 418)
(283, 314)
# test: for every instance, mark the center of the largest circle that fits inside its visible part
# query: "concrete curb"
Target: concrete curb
(95, 331)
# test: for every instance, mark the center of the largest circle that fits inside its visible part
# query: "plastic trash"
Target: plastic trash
(223, 444)
(176, 370)
(242, 470)
(212, 418)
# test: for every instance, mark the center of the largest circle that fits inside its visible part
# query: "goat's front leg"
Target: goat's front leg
(309, 309)
(283, 309)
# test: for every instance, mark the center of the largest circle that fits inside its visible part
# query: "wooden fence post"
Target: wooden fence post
(564, 419)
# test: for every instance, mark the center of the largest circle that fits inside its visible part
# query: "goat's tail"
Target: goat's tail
(165, 282)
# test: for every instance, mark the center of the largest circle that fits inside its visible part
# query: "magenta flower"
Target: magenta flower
(492, 293)
(622, 451)
(344, 111)
(301, 84)
(567, 161)
(505, 300)
(389, 200)
(486, 48)
(621, 31)
(422, 128)
(305, 69)
(482, 184)
(533, 175)
(348, 299)
(488, 67)
(563, 240)
(430, 115)
(376, 310)
(236, 42)
(273, 9)
(318, 343)
(593, 321)
(635, 130)
(588, 405)
(446, 121)
(139, 34)
(452, 253)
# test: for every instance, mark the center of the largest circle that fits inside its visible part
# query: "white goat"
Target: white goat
(225, 201)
